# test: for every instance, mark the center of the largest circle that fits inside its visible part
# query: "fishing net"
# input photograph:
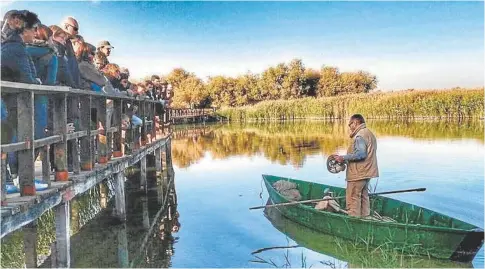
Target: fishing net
(288, 189)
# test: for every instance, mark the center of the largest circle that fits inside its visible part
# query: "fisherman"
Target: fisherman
(361, 160)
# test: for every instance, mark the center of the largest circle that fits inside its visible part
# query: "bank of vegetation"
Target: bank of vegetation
(454, 103)
(291, 90)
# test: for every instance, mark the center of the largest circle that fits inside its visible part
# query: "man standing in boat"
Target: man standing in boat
(361, 160)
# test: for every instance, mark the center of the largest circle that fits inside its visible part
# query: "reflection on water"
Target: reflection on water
(83, 209)
(145, 240)
(292, 142)
(355, 255)
(99, 240)
(219, 171)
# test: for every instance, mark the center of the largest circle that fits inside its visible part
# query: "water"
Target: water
(217, 177)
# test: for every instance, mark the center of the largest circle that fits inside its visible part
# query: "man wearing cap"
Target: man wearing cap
(71, 27)
(105, 48)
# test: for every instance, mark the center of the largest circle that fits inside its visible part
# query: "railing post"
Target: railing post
(87, 141)
(60, 128)
(143, 173)
(102, 149)
(25, 129)
(3, 178)
(63, 242)
(144, 126)
(117, 146)
(73, 111)
(136, 133)
(109, 119)
(46, 161)
(129, 132)
(154, 122)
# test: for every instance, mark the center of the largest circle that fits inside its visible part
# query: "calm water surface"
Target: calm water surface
(217, 177)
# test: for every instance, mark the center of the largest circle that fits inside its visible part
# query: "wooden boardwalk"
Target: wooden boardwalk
(188, 115)
(98, 149)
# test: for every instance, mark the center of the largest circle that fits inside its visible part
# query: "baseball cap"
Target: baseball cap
(104, 43)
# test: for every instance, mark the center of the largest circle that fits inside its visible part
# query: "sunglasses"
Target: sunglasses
(75, 28)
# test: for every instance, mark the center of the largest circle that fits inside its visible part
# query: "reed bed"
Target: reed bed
(440, 104)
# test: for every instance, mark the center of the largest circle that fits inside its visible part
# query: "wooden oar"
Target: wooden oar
(331, 198)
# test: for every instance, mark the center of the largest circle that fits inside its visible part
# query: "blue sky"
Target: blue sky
(406, 44)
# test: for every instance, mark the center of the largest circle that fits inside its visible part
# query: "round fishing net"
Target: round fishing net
(333, 166)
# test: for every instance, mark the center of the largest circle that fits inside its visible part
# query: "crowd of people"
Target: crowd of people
(34, 53)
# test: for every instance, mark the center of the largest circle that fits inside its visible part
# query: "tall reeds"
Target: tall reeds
(443, 104)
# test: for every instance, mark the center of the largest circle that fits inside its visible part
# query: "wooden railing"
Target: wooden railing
(87, 145)
(191, 112)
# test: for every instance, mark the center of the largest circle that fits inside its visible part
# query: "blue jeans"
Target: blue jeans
(135, 121)
(46, 63)
(41, 103)
(40, 123)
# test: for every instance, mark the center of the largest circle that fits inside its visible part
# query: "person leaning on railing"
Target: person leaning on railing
(18, 28)
(58, 42)
(71, 27)
(91, 78)
(44, 55)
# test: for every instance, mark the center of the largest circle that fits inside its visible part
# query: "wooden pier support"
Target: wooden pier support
(143, 173)
(30, 244)
(63, 241)
(168, 154)
(158, 161)
(120, 210)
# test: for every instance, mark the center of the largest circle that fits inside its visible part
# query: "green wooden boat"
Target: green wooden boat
(346, 251)
(417, 231)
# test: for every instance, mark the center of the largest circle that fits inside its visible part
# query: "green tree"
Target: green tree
(294, 80)
(271, 82)
(189, 93)
(330, 82)
(177, 76)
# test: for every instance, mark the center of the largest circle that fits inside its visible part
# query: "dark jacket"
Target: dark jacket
(16, 61)
(42, 58)
(89, 74)
(73, 64)
(64, 76)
